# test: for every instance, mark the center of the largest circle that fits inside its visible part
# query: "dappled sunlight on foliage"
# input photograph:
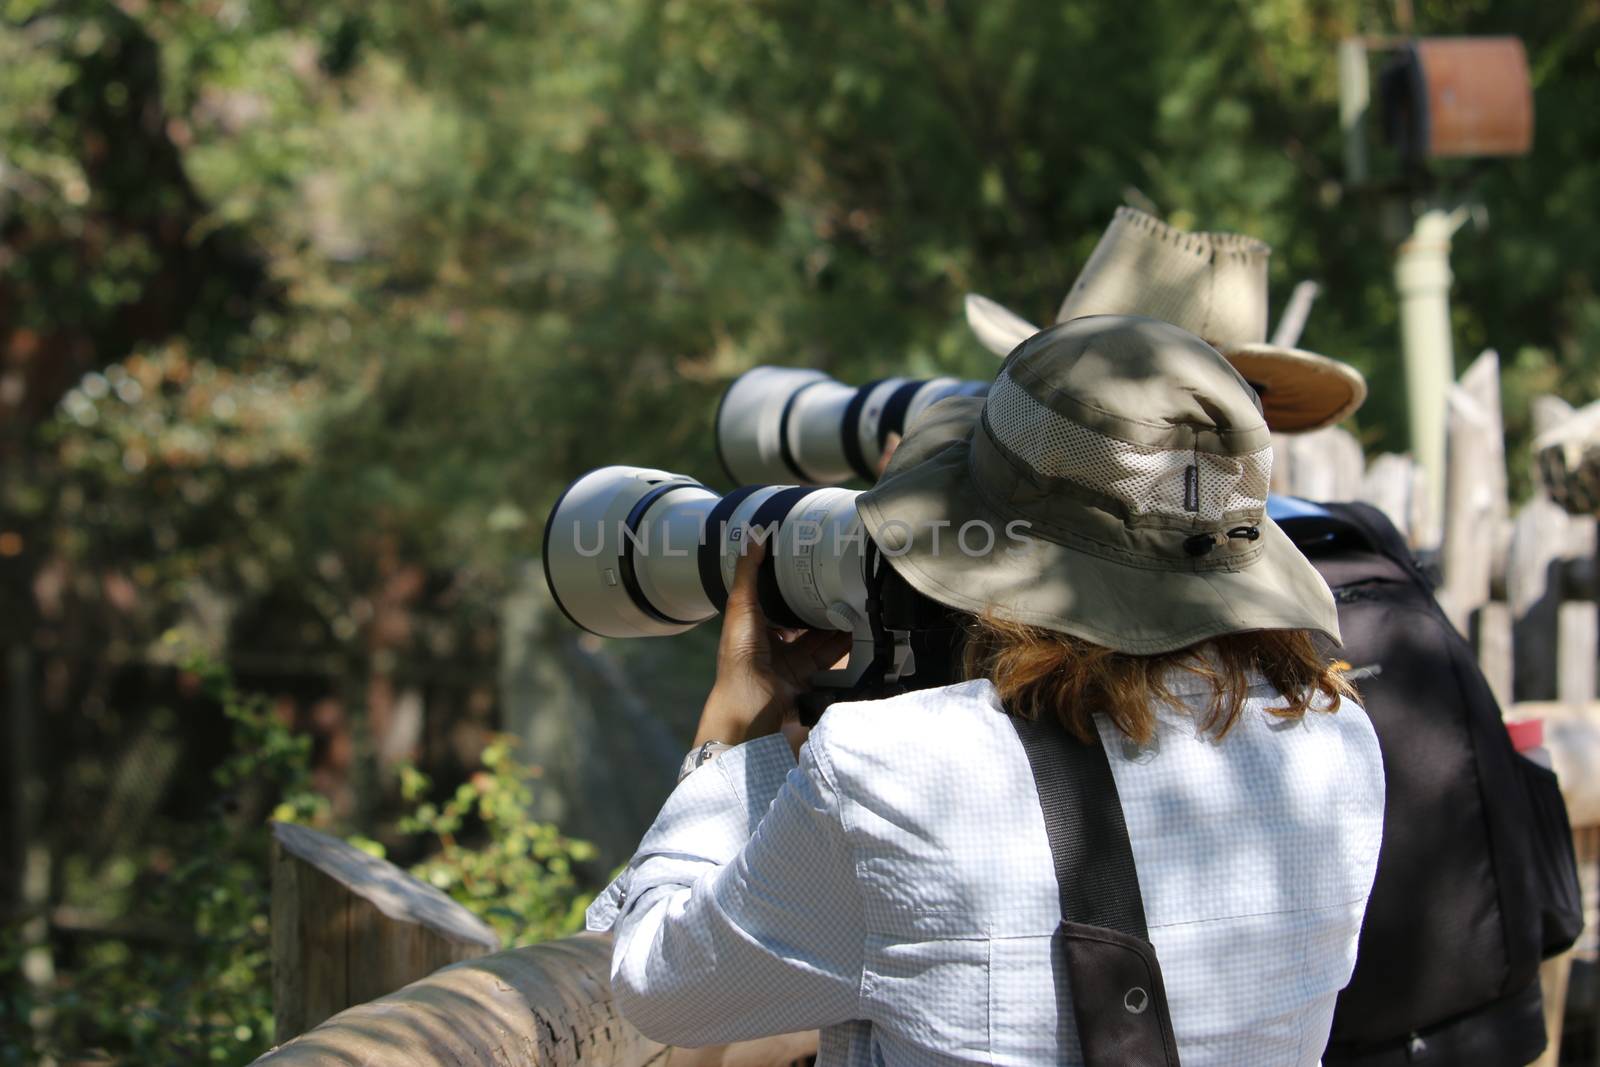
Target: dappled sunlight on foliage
(182, 979)
(521, 880)
(309, 311)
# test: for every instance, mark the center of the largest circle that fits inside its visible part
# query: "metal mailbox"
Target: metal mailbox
(1452, 97)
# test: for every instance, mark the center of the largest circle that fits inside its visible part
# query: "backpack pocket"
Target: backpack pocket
(1552, 865)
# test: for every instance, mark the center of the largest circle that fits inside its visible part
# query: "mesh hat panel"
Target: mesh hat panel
(1147, 480)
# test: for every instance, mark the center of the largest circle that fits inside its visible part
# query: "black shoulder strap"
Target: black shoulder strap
(1088, 837)
(1118, 997)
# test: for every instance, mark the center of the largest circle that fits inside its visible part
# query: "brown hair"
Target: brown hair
(1037, 670)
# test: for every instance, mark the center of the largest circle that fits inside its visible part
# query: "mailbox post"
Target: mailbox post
(1438, 98)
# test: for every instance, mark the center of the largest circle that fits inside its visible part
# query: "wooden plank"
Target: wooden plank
(1538, 542)
(1553, 974)
(1293, 321)
(1492, 635)
(288, 962)
(1468, 547)
(1390, 486)
(1474, 490)
(1322, 465)
(1282, 465)
(1533, 591)
(544, 1005)
(1578, 630)
(1481, 381)
(348, 927)
(311, 958)
(1586, 843)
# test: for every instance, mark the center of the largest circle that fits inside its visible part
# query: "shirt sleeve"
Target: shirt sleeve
(740, 916)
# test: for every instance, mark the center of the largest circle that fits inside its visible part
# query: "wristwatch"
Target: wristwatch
(700, 756)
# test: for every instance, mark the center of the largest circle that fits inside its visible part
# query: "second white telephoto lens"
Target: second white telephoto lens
(784, 424)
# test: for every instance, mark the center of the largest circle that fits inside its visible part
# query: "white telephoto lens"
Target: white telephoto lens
(635, 552)
(787, 424)
(620, 551)
(750, 424)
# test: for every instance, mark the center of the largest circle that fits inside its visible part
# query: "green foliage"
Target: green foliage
(360, 288)
(190, 984)
(520, 240)
(521, 879)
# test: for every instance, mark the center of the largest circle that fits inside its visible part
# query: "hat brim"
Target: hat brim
(997, 327)
(928, 495)
(1300, 391)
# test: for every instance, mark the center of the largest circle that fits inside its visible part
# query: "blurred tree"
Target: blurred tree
(308, 311)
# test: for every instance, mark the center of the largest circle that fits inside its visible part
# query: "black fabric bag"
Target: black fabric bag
(1118, 999)
(1477, 881)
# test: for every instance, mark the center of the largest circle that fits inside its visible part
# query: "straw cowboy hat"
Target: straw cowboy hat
(1112, 485)
(1212, 284)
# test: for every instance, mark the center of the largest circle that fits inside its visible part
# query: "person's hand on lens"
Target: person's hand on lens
(761, 670)
(891, 443)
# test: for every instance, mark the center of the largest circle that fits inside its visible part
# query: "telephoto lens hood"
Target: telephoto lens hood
(787, 424)
(638, 552)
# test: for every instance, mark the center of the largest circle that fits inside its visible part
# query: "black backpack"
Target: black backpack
(1476, 882)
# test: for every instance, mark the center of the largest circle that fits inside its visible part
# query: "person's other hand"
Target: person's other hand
(890, 443)
(761, 670)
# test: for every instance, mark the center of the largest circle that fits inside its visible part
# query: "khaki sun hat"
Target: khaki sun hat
(1211, 284)
(1112, 485)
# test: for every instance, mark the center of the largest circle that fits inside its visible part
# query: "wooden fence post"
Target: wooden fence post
(348, 927)
(1394, 485)
(1321, 465)
(1475, 490)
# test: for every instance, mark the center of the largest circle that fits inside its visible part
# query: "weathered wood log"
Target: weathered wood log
(542, 1006)
(1321, 465)
(1492, 635)
(348, 927)
(1396, 486)
(1293, 320)
(1534, 593)
(1553, 974)
(1577, 641)
(1475, 490)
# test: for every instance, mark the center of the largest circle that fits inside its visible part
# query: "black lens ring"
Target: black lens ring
(711, 540)
(894, 411)
(625, 565)
(850, 432)
(772, 512)
(785, 453)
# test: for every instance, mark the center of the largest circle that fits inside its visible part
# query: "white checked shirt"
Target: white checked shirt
(896, 888)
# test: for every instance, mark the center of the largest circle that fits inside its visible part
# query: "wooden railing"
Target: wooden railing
(348, 928)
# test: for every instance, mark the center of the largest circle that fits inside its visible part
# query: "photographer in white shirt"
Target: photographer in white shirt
(894, 888)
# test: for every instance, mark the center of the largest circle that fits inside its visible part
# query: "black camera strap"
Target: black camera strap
(1118, 998)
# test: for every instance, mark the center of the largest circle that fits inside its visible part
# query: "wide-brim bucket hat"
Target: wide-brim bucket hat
(1212, 284)
(1111, 486)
